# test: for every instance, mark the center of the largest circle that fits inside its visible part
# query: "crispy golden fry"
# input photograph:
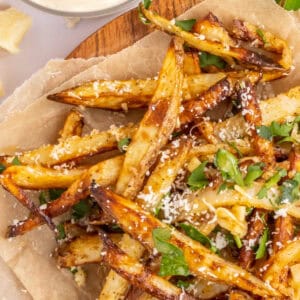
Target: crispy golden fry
(202, 262)
(283, 233)
(295, 281)
(138, 275)
(73, 147)
(164, 174)
(104, 173)
(229, 221)
(157, 124)
(239, 295)
(256, 227)
(73, 125)
(252, 114)
(208, 100)
(134, 93)
(241, 54)
(284, 259)
(191, 65)
(294, 159)
(273, 109)
(84, 249)
(264, 39)
(37, 177)
(213, 30)
(20, 195)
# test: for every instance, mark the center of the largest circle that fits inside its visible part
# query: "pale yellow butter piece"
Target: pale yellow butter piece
(13, 26)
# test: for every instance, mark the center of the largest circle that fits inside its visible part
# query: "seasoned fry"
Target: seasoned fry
(256, 227)
(208, 100)
(284, 259)
(201, 261)
(37, 177)
(156, 126)
(191, 66)
(73, 147)
(241, 54)
(104, 173)
(20, 195)
(84, 249)
(239, 295)
(73, 125)
(252, 114)
(248, 32)
(138, 275)
(134, 92)
(295, 281)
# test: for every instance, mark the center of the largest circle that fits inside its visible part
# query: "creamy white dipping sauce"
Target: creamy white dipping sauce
(79, 5)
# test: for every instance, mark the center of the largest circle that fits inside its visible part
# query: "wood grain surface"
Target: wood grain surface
(127, 29)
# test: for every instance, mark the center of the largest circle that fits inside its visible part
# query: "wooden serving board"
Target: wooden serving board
(127, 29)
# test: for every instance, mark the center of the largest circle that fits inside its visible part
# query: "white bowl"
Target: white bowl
(83, 11)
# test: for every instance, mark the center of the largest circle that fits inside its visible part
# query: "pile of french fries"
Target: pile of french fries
(191, 207)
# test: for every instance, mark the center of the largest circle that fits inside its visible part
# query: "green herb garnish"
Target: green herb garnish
(197, 179)
(186, 25)
(198, 236)
(147, 3)
(81, 209)
(261, 35)
(207, 59)
(16, 161)
(123, 144)
(61, 234)
(254, 172)
(270, 183)
(275, 129)
(227, 163)
(183, 284)
(173, 260)
(262, 248)
(290, 190)
(55, 194)
(2, 168)
(238, 241)
(289, 4)
(43, 198)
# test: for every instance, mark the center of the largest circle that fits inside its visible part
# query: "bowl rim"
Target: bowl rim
(94, 13)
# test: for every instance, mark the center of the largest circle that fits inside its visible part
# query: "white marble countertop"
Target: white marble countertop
(48, 38)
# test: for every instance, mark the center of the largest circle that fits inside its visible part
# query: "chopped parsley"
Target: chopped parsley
(183, 284)
(43, 197)
(123, 144)
(261, 35)
(289, 4)
(196, 235)
(271, 182)
(207, 59)
(81, 209)
(290, 190)
(186, 25)
(173, 261)
(227, 163)
(197, 179)
(61, 234)
(147, 3)
(2, 168)
(55, 193)
(16, 161)
(254, 172)
(262, 248)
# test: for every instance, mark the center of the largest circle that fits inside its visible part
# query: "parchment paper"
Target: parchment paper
(29, 120)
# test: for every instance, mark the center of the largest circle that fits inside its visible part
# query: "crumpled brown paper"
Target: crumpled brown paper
(28, 120)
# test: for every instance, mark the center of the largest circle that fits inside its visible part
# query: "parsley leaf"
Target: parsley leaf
(207, 59)
(16, 161)
(262, 248)
(43, 198)
(61, 234)
(197, 179)
(290, 190)
(147, 3)
(81, 209)
(275, 129)
(186, 25)
(198, 236)
(123, 144)
(227, 163)
(55, 193)
(183, 284)
(291, 4)
(238, 241)
(271, 182)
(2, 168)
(261, 35)
(173, 260)
(253, 172)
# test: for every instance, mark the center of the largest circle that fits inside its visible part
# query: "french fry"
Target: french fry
(84, 249)
(229, 221)
(104, 173)
(134, 92)
(138, 275)
(283, 259)
(239, 295)
(241, 54)
(157, 124)
(191, 65)
(37, 177)
(73, 147)
(201, 261)
(264, 39)
(73, 125)
(295, 281)
(252, 114)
